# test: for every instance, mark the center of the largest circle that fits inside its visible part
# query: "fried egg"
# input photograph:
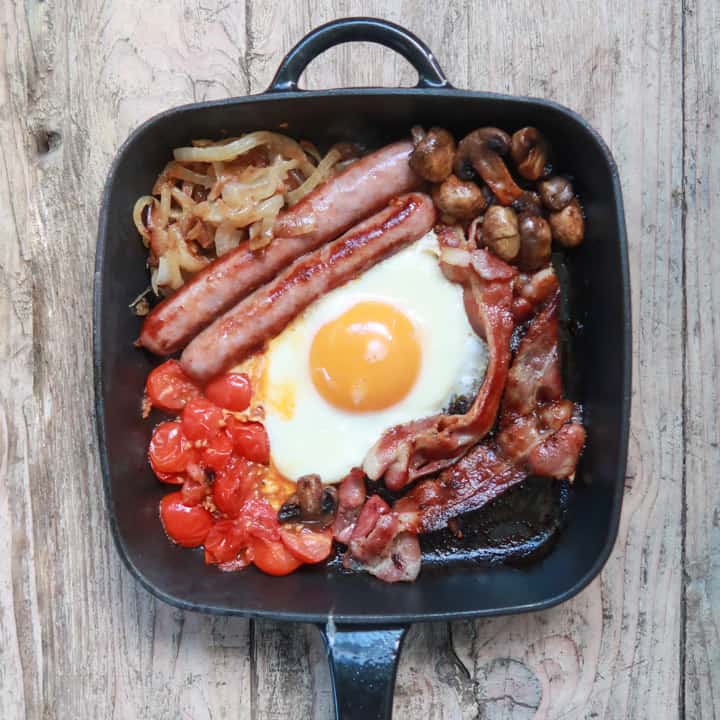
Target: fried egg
(393, 345)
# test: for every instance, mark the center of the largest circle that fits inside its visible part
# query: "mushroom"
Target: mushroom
(535, 242)
(528, 202)
(500, 232)
(309, 492)
(568, 225)
(482, 149)
(556, 192)
(311, 503)
(434, 153)
(530, 153)
(461, 199)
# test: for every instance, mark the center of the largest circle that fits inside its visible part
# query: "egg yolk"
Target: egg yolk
(366, 359)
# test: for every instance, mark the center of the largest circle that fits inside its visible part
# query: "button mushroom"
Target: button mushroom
(434, 154)
(482, 149)
(535, 242)
(528, 202)
(460, 199)
(500, 232)
(556, 192)
(530, 152)
(568, 225)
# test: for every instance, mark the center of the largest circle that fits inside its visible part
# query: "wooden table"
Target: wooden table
(79, 638)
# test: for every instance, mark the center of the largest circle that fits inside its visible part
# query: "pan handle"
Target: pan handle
(358, 29)
(363, 663)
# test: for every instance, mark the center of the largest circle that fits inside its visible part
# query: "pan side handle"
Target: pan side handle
(363, 663)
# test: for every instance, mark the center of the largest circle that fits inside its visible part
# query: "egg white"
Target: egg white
(308, 434)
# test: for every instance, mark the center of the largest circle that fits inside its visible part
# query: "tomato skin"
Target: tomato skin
(218, 451)
(261, 520)
(201, 419)
(250, 440)
(273, 558)
(232, 486)
(194, 490)
(184, 524)
(231, 391)
(169, 478)
(169, 388)
(169, 451)
(308, 546)
(224, 541)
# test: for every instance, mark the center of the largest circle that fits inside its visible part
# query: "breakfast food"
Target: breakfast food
(370, 343)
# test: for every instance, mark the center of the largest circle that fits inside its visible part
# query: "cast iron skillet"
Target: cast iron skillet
(567, 533)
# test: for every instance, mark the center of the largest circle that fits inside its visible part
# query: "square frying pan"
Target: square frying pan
(363, 620)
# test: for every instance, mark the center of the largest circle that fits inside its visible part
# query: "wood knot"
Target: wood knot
(46, 141)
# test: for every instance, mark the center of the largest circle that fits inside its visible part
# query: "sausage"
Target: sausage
(265, 313)
(363, 188)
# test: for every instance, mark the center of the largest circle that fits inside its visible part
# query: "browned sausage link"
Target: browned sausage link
(265, 313)
(363, 188)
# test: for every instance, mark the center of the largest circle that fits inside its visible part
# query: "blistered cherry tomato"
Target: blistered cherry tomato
(169, 451)
(218, 451)
(201, 419)
(260, 519)
(224, 541)
(231, 391)
(250, 440)
(308, 546)
(169, 388)
(194, 491)
(232, 486)
(187, 525)
(273, 558)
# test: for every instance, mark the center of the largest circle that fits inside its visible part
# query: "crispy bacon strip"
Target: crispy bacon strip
(418, 448)
(265, 313)
(383, 544)
(539, 434)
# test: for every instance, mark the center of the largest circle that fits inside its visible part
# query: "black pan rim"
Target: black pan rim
(386, 618)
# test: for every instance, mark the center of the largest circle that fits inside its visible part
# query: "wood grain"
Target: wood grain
(702, 360)
(79, 638)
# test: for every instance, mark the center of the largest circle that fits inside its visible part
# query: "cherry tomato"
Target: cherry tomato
(169, 451)
(201, 420)
(224, 541)
(260, 519)
(218, 451)
(273, 558)
(169, 478)
(232, 486)
(250, 440)
(308, 546)
(169, 388)
(231, 391)
(187, 525)
(194, 490)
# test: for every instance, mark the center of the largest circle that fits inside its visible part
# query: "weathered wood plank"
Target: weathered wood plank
(702, 363)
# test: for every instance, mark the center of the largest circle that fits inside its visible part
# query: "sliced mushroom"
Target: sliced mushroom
(309, 492)
(500, 232)
(556, 192)
(460, 199)
(482, 149)
(535, 242)
(434, 154)
(311, 503)
(530, 152)
(568, 225)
